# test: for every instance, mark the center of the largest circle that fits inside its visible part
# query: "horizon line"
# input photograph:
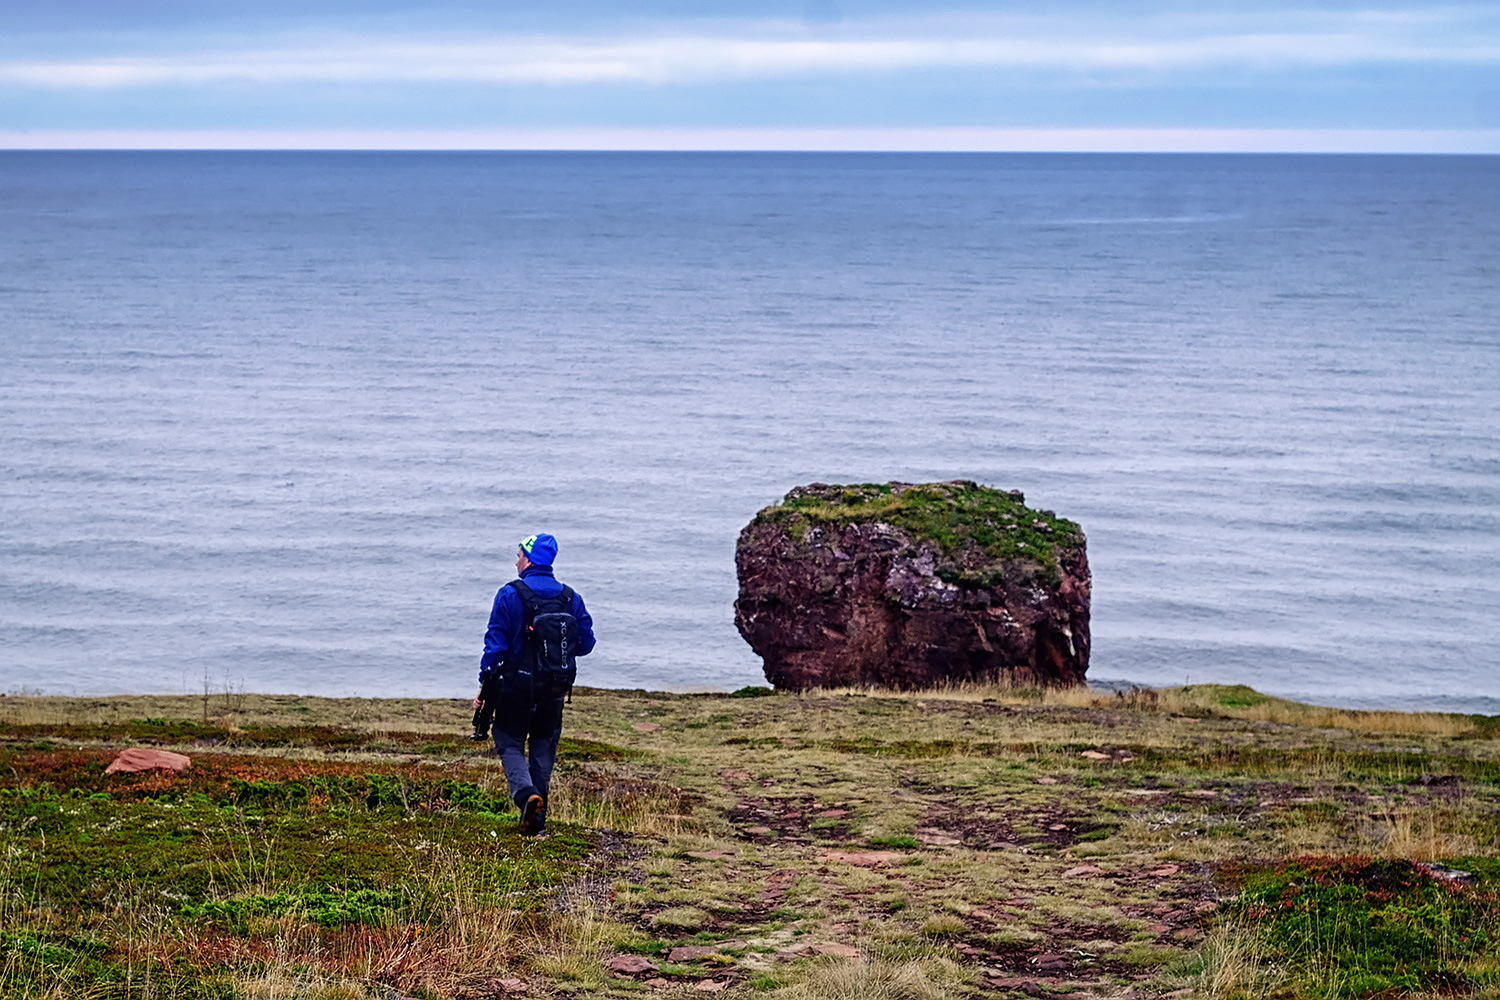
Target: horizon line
(933, 139)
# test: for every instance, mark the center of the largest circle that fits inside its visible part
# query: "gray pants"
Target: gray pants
(528, 767)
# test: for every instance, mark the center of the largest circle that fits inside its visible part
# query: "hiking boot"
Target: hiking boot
(479, 735)
(533, 814)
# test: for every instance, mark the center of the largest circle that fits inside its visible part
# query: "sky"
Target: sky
(1398, 76)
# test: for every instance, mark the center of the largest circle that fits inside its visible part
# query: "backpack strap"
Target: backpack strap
(528, 601)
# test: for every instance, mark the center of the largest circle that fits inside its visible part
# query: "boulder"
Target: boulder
(133, 760)
(913, 585)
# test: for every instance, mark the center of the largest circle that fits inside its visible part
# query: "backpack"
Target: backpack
(549, 636)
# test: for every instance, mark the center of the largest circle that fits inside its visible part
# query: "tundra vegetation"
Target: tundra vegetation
(976, 529)
(1202, 841)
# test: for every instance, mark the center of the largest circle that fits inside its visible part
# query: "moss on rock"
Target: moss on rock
(975, 526)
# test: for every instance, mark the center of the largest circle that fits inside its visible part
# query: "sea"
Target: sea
(275, 421)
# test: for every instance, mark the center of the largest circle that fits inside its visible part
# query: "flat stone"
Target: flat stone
(1047, 781)
(645, 727)
(1013, 983)
(865, 859)
(711, 985)
(691, 952)
(1165, 871)
(833, 814)
(1204, 793)
(1083, 871)
(836, 949)
(1058, 827)
(735, 775)
(133, 760)
(937, 838)
(659, 983)
(631, 964)
(1160, 928)
(759, 831)
(1094, 755)
(512, 985)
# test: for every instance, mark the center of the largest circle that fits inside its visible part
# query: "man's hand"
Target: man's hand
(478, 700)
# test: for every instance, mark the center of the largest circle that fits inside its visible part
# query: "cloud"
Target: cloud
(1254, 42)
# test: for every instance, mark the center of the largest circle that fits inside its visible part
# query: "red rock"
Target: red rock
(645, 727)
(833, 814)
(630, 964)
(1083, 871)
(867, 859)
(1165, 871)
(512, 985)
(836, 949)
(1046, 781)
(846, 601)
(134, 759)
(710, 985)
(691, 952)
(1013, 983)
(937, 838)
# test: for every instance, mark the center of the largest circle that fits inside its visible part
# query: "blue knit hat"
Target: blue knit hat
(540, 548)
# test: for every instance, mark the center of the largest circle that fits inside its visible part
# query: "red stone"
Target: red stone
(135, 759)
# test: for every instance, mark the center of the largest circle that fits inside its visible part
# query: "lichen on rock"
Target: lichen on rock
(911, 585)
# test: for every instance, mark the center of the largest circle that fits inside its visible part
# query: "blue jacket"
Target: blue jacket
(502, 641)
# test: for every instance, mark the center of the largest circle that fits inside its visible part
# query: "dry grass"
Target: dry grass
(1232, 963)
(613, 798)
(1221, 700)
(925, 975)
(1421, 835)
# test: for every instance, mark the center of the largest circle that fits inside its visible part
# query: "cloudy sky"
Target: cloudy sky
(745, 73)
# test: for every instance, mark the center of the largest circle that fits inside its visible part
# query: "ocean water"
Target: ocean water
(275, 421)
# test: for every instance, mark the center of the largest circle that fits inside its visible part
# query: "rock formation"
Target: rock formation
(905, 586)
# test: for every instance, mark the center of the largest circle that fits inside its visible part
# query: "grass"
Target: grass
(1360, 926)
(974, 841)
(979, 528)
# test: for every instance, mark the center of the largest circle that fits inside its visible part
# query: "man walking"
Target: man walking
(537, 628)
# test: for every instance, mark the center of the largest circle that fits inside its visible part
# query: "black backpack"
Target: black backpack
(549, 636)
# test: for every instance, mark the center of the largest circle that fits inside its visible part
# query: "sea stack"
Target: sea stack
(906, 585)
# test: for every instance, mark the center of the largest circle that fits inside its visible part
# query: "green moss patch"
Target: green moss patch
(976, 526)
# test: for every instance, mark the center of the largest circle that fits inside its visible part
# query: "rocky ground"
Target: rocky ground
(824, 845)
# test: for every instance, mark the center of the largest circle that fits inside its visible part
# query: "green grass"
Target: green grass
(977, 527)
(235, 849)
(1357, 926)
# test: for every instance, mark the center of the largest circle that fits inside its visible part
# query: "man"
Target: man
(536, 628)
